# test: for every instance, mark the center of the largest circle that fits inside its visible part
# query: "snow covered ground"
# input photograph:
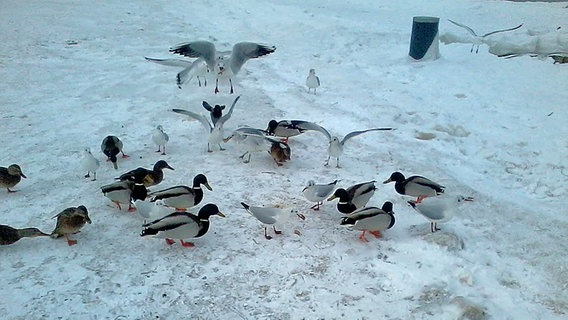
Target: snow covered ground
(491, 128)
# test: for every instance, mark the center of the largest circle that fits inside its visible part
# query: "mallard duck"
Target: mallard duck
(215, 130)
(371, 219)
(9, 235)
(312, 81)
(182, 197)
(160, 138)
(416, 186)
(438, 209)
(182, 225)
(70, 221)
(145, 176)
(280, 152)
(111, 147)
(354, 197)
(125, 192)
(90, 163)
(271, 216)
(318, 192)
(11, 176)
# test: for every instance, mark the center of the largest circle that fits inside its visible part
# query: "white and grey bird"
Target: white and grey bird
(291, 128)
(160, 138)
(215, 131)
(90, 164)
(318, 192)
(312, 81)
(182, 225)
(335, 148)
(197, 68)
(271, 216)
(222, 66)
(370, 219)
(354, 197)
(251, 140)
(439, 209)
(478, 40)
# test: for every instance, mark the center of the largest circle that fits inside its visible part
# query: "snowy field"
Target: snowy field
(495, 129)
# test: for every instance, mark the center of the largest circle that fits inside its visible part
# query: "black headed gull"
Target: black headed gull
(9, 177)
(197, 68)
(111, 147)
(318, 192)
(312, 81)
(215, 131)
(70, 221)
(160, 138)
(215, 112)
(9, 235)
(438, 209)
(89, 163)
(218, 62)
(125, 192)
(335, 149)
(370, 219)
(354, 197)
(182, 225)
(271, 216)
(145, 176)
(479, 40)
(182, 197)
(416, 186)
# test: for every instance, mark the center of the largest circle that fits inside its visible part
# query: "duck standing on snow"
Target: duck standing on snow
(218, 62)
(280, 152)
(439, 209)
(182, 225)
(290, 128)
(9, 235)
(182, 197)
(111, 147)
(312, 81)
(270, 216)
(125, 192)
(145, 176)
(160, 138)
(70, 221)
(215, 130)
(90, 164)
(354, 197)
(318, 192)
(416, 186)
(370, 219)
(11, 176)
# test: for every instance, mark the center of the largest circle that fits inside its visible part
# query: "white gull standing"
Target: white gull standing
(90, 164)
(318, 192)
(160, 138)
(438, 209)
(218, 62)
(271, 216)
(312, 81)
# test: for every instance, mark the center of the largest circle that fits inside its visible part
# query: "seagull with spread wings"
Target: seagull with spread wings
(477, 39)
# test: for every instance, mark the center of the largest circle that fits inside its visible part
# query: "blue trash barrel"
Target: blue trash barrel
(424, 43)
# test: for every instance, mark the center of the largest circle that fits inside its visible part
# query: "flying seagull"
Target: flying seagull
(197, 68)
(479, 40)
(223, 64)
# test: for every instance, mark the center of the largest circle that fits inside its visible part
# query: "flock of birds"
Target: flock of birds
(181, 225)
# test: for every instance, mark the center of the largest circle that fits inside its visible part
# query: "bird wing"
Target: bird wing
(265, 215)
(198, 49)
(244, 51)
(170, 192)
(503, 30)
(201, 118)
(470, 30)
(187, 74)
(207, 106)
(171, 221)
(356, 133)
(227, 116)
(171, 62)
(306, 125)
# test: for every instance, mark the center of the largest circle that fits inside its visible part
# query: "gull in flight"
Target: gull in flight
(216, 130)
(224, 64)
(479, 40)
(335, 148)
(196, 68)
